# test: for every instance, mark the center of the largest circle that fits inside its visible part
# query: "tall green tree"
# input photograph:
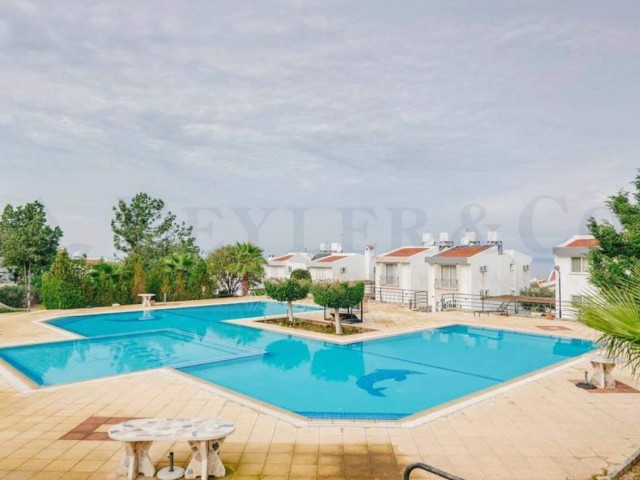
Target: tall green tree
(142, 227)
(249, 264)
(139, 279)
(200, 284)
(615, 312)
(105, 277)
(62, 284)
(220, 263)
(178, 266)
(235, 266)
(287, 290)
(619, 249)
(337, 295)
(27, 243)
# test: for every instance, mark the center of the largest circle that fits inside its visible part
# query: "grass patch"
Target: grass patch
(315, 326)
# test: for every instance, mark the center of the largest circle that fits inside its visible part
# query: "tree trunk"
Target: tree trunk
(290, 311)
(245, 285)
(27, 279)
(338, 322)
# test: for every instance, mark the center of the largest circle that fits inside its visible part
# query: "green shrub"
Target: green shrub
(57, 294)
(13, 296)
(301, 274)
(64, 285)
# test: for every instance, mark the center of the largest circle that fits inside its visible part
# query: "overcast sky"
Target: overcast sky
(414, 110)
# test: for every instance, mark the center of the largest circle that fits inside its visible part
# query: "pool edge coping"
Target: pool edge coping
(24, 385)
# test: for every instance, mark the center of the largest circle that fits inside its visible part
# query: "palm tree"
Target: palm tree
(615, 312)
(248, 264)
(106, 277)
(178, 265)
(104, 271)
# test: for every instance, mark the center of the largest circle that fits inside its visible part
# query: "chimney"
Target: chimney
(368, 262)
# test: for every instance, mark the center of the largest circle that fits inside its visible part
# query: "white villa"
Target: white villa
(439, 268)
(339, 266)
(330, 263)
(282, 266)
(572, 269)
(402, 269)
(478, 270)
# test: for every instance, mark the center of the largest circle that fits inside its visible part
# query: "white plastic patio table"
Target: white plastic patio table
(205, 436)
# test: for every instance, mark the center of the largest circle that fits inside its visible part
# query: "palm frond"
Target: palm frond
(615, 312)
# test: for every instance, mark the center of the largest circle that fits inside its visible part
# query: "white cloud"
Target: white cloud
(322, 104)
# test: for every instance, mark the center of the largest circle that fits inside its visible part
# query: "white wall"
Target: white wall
(504, 275)
(275, 271)
(568, 285)
(413, 272)
(283, 269)
(354, 266)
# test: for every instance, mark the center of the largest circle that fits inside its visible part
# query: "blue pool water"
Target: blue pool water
(75, 360)
(387, 378)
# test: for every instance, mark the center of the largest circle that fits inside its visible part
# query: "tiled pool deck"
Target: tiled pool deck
(543, 429)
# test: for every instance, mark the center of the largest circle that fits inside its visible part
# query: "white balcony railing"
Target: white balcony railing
(389, 280)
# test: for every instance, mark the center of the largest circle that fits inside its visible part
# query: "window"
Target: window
(579, 265)
(448, 276)
(390, 276)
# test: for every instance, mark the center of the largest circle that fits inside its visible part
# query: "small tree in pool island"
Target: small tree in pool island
(338, 295)
(287, 290)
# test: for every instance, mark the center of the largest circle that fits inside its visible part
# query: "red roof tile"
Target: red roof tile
(583, 243)
(332, 258)
(406, 252)
(463, 252)
(283, 258)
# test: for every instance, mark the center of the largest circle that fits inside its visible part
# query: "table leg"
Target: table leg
(205, 460)
(136, 460)
(609, 380)
(129, 465)
(598, 374)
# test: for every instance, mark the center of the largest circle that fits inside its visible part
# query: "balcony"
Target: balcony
(447, 283)
(389, 280)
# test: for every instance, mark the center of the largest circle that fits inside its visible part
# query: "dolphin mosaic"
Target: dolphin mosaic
(367, 382)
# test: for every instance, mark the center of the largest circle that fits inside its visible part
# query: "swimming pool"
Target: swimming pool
(387, 378)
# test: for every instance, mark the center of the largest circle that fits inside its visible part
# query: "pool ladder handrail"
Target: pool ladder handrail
(428, 468)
